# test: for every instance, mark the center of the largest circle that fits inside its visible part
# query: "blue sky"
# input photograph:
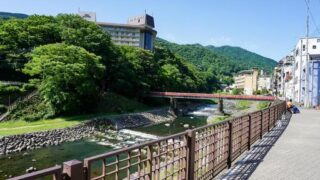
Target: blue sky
(268, 27)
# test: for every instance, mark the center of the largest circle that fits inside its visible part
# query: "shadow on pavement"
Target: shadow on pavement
(245, 166)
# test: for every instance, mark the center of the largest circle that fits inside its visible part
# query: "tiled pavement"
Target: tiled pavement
(290, 151)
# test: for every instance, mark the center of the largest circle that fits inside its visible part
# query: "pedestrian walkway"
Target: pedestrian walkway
(290, 151)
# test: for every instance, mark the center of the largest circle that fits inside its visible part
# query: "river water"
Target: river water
(16, 164)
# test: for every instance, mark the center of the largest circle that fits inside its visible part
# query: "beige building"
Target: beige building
(247, 80)
(139, 30)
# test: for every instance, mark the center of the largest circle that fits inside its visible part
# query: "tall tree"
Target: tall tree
(69, 76)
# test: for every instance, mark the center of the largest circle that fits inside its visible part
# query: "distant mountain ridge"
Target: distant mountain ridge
(224, 60)
(239, 54)
(7, 15)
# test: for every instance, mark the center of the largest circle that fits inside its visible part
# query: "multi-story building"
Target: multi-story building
(307, 72)
(297, 75)
(139, 30)
(283, 78)
(264, 81)
(247, 80)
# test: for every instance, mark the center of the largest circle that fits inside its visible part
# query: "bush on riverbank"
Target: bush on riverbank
(263, 104)
(217, 119)
(32, 109)
(241, 105)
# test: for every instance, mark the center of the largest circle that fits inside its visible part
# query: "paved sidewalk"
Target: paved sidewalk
(293, 155)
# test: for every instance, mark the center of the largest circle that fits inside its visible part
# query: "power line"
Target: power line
(312, 17)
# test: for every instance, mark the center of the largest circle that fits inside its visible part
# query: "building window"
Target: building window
(297, 52)
(303, 47)
(318, 40)
(314, 47)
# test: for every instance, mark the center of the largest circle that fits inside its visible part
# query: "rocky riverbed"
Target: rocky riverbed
(36, 140)
(142, 119)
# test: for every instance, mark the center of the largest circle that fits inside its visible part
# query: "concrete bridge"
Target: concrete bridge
(180, 95)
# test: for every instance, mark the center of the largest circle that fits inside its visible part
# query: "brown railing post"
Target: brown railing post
(229, 162)
(261, 125)
(269, 119)
(74, 170)
(276, 117)
(149, 154)
(191, 144)
(249, 135)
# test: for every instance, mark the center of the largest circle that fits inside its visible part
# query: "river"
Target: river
(16, 164)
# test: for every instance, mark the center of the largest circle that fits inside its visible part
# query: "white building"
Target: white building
(264, 81)
(285, 77)
(307, 75)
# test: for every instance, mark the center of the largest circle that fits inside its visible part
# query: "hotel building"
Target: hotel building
(247, 80)
(139, 30)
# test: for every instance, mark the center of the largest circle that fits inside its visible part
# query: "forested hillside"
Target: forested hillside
(6, 15)
(222, 62)
(246, 58)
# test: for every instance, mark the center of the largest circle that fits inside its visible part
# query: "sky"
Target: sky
(268, 27)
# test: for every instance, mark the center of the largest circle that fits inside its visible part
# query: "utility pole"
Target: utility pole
(307, 99)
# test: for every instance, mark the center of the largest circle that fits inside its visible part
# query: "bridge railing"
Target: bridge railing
(200, 153)
(212, 96)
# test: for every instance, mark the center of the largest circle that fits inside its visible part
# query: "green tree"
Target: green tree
(69, 75)
(137, 71)
(237, 91)
(75, 30)
(20, 36)
(176, 74)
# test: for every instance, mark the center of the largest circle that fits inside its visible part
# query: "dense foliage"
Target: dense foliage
(221, 62)
(69, 76)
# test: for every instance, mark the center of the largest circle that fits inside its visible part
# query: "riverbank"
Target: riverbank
(35, 140)
(102, 140)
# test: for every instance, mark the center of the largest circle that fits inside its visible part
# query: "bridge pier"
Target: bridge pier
(173, 105)
(219, 110)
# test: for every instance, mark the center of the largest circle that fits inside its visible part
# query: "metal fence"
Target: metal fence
(200, 153)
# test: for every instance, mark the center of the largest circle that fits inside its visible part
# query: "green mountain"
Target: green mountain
(246, 58)
(7, 15)
(222, 62)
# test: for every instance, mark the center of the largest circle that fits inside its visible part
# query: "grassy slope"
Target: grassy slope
(111, 105)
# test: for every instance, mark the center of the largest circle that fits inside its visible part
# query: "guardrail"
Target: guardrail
(200, 153)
